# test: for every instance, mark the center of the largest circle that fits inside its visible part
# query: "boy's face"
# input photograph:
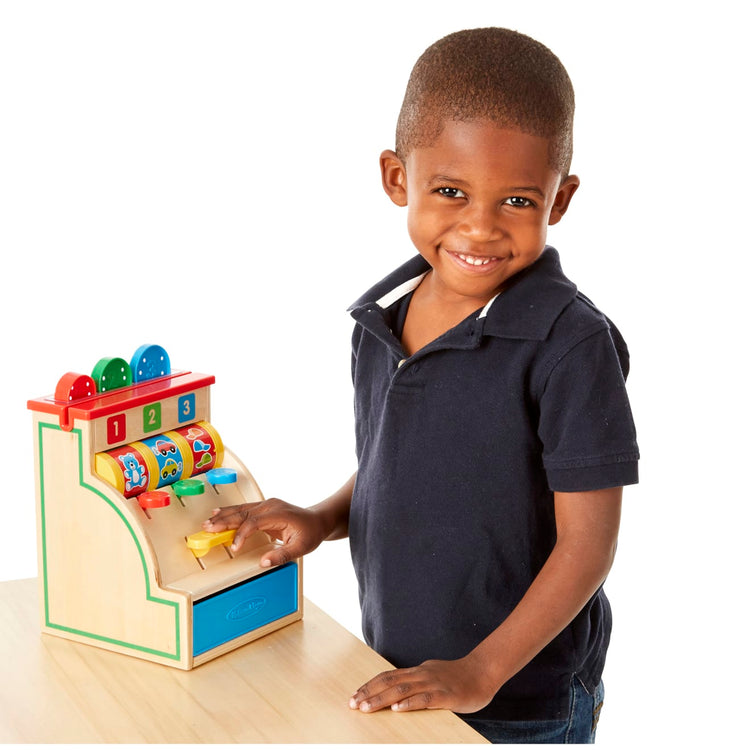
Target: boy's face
(479, 202)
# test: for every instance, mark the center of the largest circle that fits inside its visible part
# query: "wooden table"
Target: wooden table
(290, 686)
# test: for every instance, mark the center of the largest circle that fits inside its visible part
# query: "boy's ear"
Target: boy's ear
(393, 174)
(562, 200)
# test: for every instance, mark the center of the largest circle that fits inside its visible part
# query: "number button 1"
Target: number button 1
(116, 429)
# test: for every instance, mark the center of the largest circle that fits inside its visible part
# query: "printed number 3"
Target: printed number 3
(187, 408)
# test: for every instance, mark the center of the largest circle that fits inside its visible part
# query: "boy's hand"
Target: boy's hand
(459, 686)
(299, 529)
(587, 525)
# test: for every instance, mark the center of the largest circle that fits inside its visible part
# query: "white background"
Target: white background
(204, 175)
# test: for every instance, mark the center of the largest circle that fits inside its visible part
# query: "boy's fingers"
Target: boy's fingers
(278, 556)
(252, 524)
(296, 545)
(232, 517)
(276, 526)
(268, 517)
(396, 687)
(416, 702)
(226, 518)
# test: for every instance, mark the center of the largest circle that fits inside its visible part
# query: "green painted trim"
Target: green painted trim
(149, 596)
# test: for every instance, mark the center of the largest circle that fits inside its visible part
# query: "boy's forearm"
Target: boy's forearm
(334, 511)
(549, 606)
(576, 568)
(587, 527)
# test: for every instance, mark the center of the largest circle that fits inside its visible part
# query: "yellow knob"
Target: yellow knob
(202, 541)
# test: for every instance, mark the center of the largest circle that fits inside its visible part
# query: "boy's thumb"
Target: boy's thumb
(278, 556)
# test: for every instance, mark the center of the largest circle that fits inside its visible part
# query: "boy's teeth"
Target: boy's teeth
(474, 260)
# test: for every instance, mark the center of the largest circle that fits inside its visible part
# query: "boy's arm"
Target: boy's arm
(587, 528)
(300, 530)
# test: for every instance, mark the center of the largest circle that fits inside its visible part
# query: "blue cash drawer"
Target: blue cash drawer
(238, 610)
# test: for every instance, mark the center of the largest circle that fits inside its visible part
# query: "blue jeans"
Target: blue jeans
(578, 728)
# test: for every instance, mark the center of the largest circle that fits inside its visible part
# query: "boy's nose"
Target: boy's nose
(480, 223)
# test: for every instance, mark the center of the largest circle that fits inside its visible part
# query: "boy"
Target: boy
(494, 434)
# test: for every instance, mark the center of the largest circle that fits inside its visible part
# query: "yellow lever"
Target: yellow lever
(202, 541)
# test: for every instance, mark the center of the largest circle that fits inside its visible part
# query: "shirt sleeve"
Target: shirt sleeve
(585, 421)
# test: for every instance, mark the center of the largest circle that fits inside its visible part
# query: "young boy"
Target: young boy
(493, 429)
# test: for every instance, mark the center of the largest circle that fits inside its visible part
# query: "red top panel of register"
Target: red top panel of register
(114, 401)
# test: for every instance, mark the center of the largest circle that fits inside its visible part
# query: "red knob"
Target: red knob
(153, 499)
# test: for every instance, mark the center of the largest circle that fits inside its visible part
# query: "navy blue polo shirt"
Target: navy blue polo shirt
(461, 447)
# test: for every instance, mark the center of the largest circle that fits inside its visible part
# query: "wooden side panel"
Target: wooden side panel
(98, 580)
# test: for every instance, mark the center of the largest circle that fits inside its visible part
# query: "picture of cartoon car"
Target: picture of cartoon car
(170, 469)
(164, 447)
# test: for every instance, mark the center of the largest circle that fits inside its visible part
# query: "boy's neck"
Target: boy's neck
(434, 311)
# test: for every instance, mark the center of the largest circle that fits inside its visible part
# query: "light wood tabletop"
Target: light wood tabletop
(291, 686)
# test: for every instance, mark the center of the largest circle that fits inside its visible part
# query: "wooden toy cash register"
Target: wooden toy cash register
(128, 466)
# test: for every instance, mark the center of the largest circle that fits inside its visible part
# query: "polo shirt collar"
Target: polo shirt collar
(530, 306)
(398, 282)
(526, 310)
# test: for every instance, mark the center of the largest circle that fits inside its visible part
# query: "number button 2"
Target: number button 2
(152, 417)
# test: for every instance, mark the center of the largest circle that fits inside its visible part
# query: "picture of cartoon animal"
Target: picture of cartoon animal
(134, 472)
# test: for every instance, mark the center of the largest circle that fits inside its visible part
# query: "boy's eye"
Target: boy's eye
(518, 202)
(451, 192)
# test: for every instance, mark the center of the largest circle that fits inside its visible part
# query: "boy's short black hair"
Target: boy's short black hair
(490, 73)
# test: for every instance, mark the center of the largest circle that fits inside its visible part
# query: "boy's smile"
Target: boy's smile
(479, 201)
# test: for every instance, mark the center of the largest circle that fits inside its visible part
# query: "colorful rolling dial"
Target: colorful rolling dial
(161, 460)
(204, 444)
(130, 469)
(172, 457)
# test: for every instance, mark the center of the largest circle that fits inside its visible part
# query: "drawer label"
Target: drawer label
(247, 608)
